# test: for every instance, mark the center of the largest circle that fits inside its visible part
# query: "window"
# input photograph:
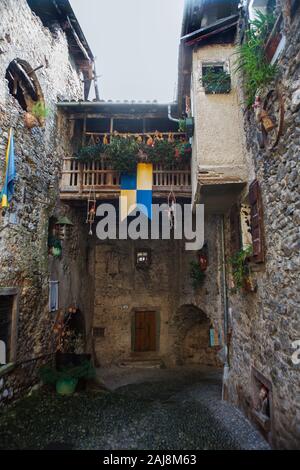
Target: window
(53, 296)
(261, 6)
(23, 84)
(216, 78)
(99, 332)
(8, 325)
(143, 258)
(246, 225)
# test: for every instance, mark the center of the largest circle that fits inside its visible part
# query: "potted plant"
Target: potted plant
(186, 125)
(55, 248)
(66, 379)
(36, 116)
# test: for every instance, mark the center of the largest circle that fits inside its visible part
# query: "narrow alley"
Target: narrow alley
(149, 225)
(163, 409)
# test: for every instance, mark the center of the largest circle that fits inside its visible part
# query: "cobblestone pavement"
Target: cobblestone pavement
(172, 409)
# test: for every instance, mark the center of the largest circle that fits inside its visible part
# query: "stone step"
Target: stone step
(142, 364)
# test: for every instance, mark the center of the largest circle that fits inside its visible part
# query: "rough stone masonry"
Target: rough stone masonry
(266, 323)
(38, 155)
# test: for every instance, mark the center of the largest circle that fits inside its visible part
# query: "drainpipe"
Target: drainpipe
(169, 115)
(225, 302)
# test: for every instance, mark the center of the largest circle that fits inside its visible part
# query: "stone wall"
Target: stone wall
(266, 323)
(38, 154)
(184, 314)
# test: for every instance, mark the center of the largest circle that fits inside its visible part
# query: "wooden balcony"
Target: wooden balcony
(79, 179)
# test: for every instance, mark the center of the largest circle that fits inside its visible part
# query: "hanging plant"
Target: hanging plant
(169, 154)
(90, 153)
(123, 153)
(197, 275)
(240, 268)
(39, 110)
(182, 125)
(55, 248)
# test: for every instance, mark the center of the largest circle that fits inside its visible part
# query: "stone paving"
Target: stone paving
(172, 409)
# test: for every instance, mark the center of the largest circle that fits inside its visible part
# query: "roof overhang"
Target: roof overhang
(218, 192)
(128, 109)
(60, 11)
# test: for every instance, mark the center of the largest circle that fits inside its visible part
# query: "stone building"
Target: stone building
(245, 168)
(135, 298)
(145, 307)
(44, 57)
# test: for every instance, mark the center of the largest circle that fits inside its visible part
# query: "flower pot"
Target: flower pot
(70, 359)
(66, 386)
(30, 121)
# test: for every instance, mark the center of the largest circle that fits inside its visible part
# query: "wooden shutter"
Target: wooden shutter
(235, 229)
(6, 305)
(257, 222)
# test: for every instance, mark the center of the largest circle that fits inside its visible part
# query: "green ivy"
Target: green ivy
(252, 60)
(91, 152)
(197, 275)
(239, 266)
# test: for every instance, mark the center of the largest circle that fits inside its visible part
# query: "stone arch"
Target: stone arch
(23, 84)
(191, 326)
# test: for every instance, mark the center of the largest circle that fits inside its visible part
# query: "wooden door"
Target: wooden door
(145, 331)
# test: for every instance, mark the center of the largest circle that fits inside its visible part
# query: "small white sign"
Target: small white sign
(2, 353)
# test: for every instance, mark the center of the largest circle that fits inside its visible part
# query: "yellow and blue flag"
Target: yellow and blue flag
(10, 173)
(136, 191)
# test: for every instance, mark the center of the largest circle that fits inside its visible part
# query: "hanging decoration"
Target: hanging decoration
(172, 209)
(91, 209)
(203, 261)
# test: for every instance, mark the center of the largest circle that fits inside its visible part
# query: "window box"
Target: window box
(215, 79)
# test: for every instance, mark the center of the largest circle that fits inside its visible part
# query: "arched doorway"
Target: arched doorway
(192, 343)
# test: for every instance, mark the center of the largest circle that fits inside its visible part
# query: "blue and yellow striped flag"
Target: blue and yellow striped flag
(8, 188)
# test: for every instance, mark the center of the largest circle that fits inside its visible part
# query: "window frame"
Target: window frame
(146, 264)
(210, 64)
(13, 292)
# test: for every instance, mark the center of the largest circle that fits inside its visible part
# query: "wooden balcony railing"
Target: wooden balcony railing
(78, 179)
(93, 138)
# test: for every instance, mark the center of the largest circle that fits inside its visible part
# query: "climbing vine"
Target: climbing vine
(240, 267)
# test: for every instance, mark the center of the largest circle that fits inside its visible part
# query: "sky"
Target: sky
(135, 43)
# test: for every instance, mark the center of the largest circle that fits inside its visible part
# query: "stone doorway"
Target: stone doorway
(145, 331)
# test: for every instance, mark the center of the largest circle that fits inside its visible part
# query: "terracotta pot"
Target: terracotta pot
(30, 121)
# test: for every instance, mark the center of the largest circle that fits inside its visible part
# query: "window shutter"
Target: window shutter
(235, 229)
(6, 304)
(257, 222)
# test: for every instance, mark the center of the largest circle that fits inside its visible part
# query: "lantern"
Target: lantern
(203, 261)
(61, 226)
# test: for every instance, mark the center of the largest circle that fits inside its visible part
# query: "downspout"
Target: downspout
(225, 303)
(170, 116)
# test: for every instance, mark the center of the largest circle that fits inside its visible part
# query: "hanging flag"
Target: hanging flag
(136, 191)
(144, 188)
(128, 194)
(8, 188)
